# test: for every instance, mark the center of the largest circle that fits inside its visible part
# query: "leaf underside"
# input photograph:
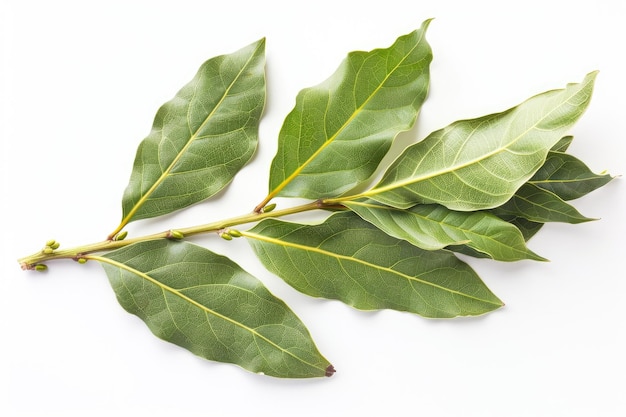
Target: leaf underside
(542, 199)
(339, 131)
(348, 259)
(432, 227)
(480, 163)
(201, 138)
(207, 304)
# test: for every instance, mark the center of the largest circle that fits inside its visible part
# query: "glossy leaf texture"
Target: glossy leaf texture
(201, 138)
(349, 259)
(432, 227)
(207, 304)
(339, 131)
(480, 163)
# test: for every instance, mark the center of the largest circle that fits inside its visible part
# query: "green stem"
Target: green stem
(76, 253)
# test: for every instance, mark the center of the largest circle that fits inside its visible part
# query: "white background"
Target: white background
(81, 82)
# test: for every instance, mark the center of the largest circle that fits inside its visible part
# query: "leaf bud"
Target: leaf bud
(51, 242)
(269, 208)
(48, 250)
(226, 236)
(55, 245)
(234, 233)
(41, 267)
(121, 236)
(176, 234)
(82, 260)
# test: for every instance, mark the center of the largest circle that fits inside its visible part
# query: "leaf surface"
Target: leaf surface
(339, 131)
(431, 227)
(207, 304)
(567, 176)
(349, 259)
(480, 163)
(538, 205)
(201, 138)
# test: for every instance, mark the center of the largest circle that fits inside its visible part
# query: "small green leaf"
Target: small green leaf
(206, 303)
(201, 138)
(431, 227)
(339, 131)
(349, 259)
(526, 228)
(563, 144)
(480, 163)
(567, 176)
(538, 205)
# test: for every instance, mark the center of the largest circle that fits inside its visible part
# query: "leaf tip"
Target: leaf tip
(536, 257)
(330, 371)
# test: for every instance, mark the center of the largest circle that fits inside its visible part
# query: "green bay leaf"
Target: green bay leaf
(339, 131)
(567, 176)
(207, 304)
(480, 163)
(432, 227)
(539, 205)
(349, 259)
(201, 138)
(563, 144)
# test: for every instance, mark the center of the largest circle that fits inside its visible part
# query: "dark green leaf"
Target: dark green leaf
(567, 177)
(563, 144)
(538, 205)
(527, 227)
(206, 303)
(339, 131)
(201, 138)
(431, 227)
(349, 259)
(480, 163)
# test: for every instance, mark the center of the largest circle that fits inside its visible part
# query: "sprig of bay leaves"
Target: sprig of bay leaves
(480, 187)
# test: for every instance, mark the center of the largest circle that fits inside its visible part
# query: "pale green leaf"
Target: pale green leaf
(207, 304)
(349, 259)
(526, 228)
(339, 131)
(480, 163)
(201, 138)
(431, 227)
(539, 205)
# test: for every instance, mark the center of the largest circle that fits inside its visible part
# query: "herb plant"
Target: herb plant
(480, 187)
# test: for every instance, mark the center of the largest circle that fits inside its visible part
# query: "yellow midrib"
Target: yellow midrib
(207, 310)
(452, 168)
(330, 140)
(192, 138)
(359, 261)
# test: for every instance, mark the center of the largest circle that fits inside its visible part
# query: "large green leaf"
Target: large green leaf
(539, 205)
(201, 138)
(480, 163)
(339, 131)
(567, 176)
(349, 259)
(206, 303)
(431, 227)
